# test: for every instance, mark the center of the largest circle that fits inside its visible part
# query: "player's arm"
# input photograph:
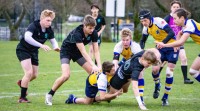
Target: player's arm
(97, 54)
(55, 44)
(107, 96)
(29, 39)
(143, 40)
(116, 60)
(179, 42)
(83, 51)
(170, 33)
(102, 29)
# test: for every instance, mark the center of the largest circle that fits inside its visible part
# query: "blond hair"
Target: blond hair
(47, 13)
(89, 21)
(126, 32)
(151, 57)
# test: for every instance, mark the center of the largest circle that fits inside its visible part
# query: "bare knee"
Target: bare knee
(65, 77)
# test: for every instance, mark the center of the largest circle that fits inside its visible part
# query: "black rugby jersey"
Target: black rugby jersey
(38, 35)
(100, 21)
(131, 68)
(77, 36)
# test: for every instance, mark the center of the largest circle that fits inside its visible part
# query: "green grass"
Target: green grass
(183, 97)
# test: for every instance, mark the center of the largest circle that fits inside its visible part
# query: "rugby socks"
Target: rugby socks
(156, 79)
(184, 71)
(160, 69)
(168, 86)
(198, 77)
(141, 88)
(23, 92)
(51, 92)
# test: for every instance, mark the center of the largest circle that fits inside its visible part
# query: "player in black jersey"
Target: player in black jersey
(27, 50)
(73, 48)
(130, 71)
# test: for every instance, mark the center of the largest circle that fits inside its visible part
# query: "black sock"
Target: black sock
(184, 71)
(51, 92)
(23, 92)
(160, 69)
(95, 62)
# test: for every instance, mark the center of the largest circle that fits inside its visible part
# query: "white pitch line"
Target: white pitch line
(67, 92)
(42, 73)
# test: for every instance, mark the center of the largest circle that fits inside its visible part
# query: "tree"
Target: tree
(13, 26)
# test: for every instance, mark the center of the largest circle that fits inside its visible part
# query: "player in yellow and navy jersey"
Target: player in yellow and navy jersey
(160, 31)
(97, 82)
(127, 48)
(190, 28)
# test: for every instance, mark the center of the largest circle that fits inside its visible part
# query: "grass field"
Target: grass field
(183, 97)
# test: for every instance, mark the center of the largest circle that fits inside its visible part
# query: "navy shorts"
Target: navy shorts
(90, 91)
(168, 54)
(25, 54)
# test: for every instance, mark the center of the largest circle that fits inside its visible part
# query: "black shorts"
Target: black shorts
(99, 40)
(74, 55)
(117, 82)
(25, 54)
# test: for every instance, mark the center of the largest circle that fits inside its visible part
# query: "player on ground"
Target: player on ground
(73, 48)
(160, 31)
(97, 83)
(190, 28)
(27, 50)
(130, 71)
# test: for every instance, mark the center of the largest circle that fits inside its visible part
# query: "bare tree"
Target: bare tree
(13, 26)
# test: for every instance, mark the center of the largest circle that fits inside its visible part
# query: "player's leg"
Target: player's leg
(90, 92)
(184, 66)
(168, 82)
(156, 78)
(28, 71)
(195, 69)
(59, 81)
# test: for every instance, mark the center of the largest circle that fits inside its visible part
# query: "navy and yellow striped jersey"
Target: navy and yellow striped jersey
(157, 30)
(127, 52)
(192, 27)
(100, 80)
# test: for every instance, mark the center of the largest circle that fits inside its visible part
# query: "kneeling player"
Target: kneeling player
(97, 82)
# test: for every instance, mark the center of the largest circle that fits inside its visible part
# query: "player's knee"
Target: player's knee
(65, 77)
(184, 61)
(125, 90)
(193, 72)
(169, 72)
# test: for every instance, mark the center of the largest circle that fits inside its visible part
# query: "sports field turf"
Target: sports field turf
(182, 98)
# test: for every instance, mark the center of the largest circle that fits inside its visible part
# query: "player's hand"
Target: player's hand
(95, 69)
(57, 49)
(176, 49)
(119, 92)
(45, 47)
(159, 44)
(143, 107)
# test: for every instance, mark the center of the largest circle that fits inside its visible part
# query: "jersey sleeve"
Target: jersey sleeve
(103, 21)
(145, 31)
(161, 23)
(135, 48)
(102, 82)
(189, 28)
(31, 28)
